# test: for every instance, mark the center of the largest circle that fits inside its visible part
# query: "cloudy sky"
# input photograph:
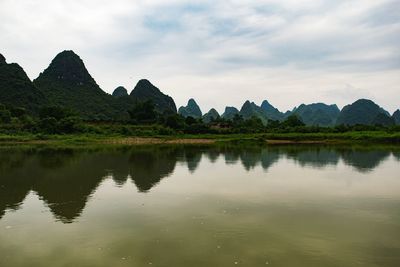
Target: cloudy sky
(219, 52)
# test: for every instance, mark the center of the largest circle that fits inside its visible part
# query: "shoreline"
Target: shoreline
(267, 139)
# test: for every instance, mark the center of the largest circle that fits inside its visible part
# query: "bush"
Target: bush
(69, 125)
(48, 125)
(5, 116)
(175, 122)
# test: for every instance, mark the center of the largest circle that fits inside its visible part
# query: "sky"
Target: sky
(221, 53)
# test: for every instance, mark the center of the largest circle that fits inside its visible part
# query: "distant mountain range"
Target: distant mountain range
(66, 82)
(362, 111)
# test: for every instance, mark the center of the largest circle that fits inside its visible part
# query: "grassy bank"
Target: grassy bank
(272, 138)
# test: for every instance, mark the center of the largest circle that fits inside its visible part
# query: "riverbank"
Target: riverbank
(269, 138)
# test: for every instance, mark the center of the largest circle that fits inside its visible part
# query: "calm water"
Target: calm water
(200, 206)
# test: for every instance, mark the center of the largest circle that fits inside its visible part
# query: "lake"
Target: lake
(220, 205)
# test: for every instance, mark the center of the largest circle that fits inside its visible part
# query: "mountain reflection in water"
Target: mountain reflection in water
(66, 178)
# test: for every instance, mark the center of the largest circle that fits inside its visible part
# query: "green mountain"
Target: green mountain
(271, 112)
(191, 109)
(383, 119)
(145, 90)
(396, 117)
(66, 82)
(17, 90)
(120, 91)
(210, 115)
(317, 114)
(363, 111)
(250, 109)
(230, 112)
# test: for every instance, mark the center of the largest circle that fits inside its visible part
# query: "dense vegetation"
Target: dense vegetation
(16, 90)
(65, 99)
(146, 121)
(365, 112)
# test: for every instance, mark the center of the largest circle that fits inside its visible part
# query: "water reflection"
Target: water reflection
(66, 178)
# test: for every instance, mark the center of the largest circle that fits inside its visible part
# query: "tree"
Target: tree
(143, 112)
(190, 120)
(293, 121)
(175, 122)
(5, 115)
(18, 112)
(56, 112)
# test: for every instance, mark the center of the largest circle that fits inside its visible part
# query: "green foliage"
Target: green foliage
(175, 121)
(58, 120)
(67, 83)
(56, 112)
(18, 112)
(250, 109)
(190, 120)
(143, 113)
(293, 121)
(230, 112)
(362, 111)
(270, 111)
(16, 90)
(5, 115)
(146, 91)
(383, 120)
(396, 117)
(48, 125)
(318, 114)
(191, 110)
(120, 91)
(69, 125)
(211, 116)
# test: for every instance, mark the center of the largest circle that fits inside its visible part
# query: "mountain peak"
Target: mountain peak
(145, 86)
(396, 117)
(144, 82)
(362, 111)
(120, 91)
(265, 103)
(17, 90)
(191, 102)
(2, 59)
(211, 115)
(230, 112)
(214, 111)
(250, 109)
(145, 90)
(317, 114)
(68, 67)
(270, 111)
(191, 109)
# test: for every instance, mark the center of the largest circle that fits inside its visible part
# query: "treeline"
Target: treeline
(144, 120)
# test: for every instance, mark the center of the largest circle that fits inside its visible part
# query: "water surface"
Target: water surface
(200, 206)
